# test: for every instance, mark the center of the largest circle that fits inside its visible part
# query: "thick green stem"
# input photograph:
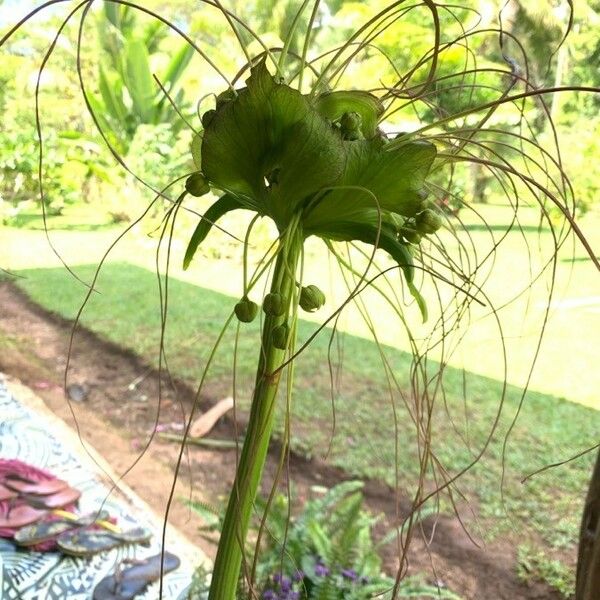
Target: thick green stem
(254, 452)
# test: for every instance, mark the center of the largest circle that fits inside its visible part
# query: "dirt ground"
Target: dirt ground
(121, 410)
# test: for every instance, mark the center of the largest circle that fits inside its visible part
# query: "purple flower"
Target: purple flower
(321, 570)
(293, 596)
(350, 574)
(298, 576)
(270, 595)
(283, 581)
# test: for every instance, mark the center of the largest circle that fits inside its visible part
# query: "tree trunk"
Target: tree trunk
(588, 560)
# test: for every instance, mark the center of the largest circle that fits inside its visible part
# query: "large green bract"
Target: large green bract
(283, 154)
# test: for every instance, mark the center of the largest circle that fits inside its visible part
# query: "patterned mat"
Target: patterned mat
(26, 575)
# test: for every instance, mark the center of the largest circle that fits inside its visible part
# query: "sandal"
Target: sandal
(19, 516)
(47, 530)
(23, 485)
(128, 583)
(6, 493)
(59, 499)
(87, 542)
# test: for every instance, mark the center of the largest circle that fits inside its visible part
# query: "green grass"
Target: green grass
(126, 311)
(534, 564)
(566, 366)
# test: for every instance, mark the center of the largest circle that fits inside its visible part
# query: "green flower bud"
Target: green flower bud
(428, 221)
(280, 336)
(273, 304)
(246, 310)
(351, 123)
(207, 117)
(196, 185)
(311, 298)
(410, 235)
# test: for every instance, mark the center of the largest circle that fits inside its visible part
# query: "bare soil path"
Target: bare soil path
(120, 412)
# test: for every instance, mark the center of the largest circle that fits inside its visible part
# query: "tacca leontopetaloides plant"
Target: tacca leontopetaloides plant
(297, 144)
(317, 165)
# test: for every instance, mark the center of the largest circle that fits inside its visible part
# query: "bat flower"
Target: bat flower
(319, 160)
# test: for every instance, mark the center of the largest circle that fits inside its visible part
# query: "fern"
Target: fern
(330, 543)
(325, 590)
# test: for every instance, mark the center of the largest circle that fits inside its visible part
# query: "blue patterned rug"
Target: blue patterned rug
(26, 575)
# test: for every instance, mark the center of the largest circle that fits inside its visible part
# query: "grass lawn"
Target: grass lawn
(565, 367)
(373, 434)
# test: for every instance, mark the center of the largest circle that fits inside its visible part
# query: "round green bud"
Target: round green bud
(351, 123)
(428, 221)
(207, 117)
(410, 235)
(273, 304)
(246, 310)
(280, 336)
(196, 185)
(311, 298)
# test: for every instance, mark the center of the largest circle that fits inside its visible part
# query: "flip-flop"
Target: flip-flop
(87, 542)
(46, 530)
(27, 486)
(61, 498)
(6, 493)
(21, 515)
(128, 583)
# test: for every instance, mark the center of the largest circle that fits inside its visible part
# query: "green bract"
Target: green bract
(319, 160)
(270, 148)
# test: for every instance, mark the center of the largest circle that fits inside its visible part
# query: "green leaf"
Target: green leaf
(112, 13)
(111, 92)
(140, 84)
(177, 65)
(414, 292)
(98, 109)
(100, 172)
(392, 180)
(70, 134)
(269, 144)
(319, 540)
(151, 35)
(333, 105)
(222, 206)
